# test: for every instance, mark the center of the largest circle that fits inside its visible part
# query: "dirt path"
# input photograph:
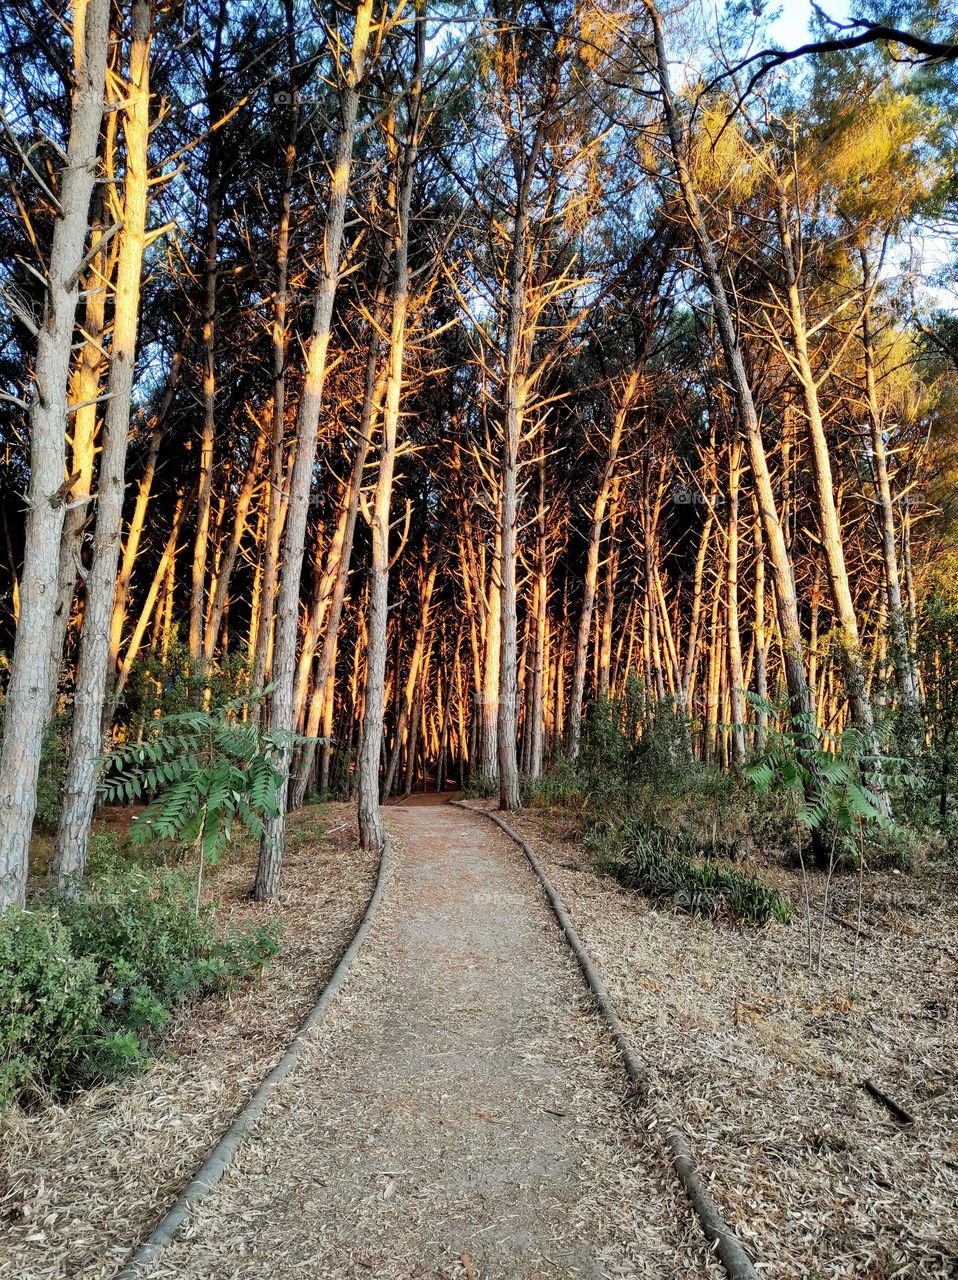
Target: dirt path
(461, 1102)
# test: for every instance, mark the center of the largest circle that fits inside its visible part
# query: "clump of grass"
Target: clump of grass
(646, 859)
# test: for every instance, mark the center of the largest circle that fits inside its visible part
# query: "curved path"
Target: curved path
(459, 1113)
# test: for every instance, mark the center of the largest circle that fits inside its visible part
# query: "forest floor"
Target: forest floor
(82, 1183)
(762, 1058)
(460, 1110)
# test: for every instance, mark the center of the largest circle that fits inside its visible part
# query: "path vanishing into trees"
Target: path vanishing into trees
(460, 1111)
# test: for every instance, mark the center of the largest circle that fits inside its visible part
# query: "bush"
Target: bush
(647, 859)
(145, 938)
(636, 758)
(50, 1003)
(87, 984)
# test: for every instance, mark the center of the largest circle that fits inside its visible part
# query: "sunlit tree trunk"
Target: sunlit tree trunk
(827, 512)
(736, 674)
(779, 560)
(372, 832)
(904, 662)
(85, 406)
(227, 561)
(406, 718)
(488, 744)
(591, 580)
(69, 860)
(761, 637)
(276, 506)
(27, 696)
(164, 573)
(282, 711)
(138, 519)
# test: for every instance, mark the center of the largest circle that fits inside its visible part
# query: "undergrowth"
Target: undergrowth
(88, 983)
(659, 819)
(647, 859)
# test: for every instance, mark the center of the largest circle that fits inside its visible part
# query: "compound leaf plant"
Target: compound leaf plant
(825, 775)
(202, 770)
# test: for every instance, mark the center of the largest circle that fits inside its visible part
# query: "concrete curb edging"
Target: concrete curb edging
(220, 1158)
(735, 1260)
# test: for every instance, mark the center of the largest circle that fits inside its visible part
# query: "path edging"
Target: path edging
(735, 1260)
(222, 1155)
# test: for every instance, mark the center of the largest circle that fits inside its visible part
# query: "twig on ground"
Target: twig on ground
(897, 1111)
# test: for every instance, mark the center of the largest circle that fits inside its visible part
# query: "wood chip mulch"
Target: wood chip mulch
(82, 1183)
(763, 1060)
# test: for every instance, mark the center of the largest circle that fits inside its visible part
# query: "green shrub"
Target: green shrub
(647, 859)
(143, 935)
(50, 1003)
(87, 983)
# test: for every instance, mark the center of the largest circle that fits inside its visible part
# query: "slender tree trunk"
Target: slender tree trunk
(515, 399)
(372, 832)
(70, 851)
(165, 570)
(276, 506)
(227, 561)
(537, 700)
(489, 709)
(269, 869)
(85, 395)
(208, 436)
(138, 519)
(406, 717)
(27, 697)
(340, 552)
(761, 638)
(827, 511)
(736, 675)
(905, 671)
(780, 562)
(590, 583)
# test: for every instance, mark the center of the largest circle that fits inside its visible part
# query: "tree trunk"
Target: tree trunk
(827, 512)
(276, 506)
(736, 675)
(780, 562)
(138, 519)
(906, 674)
(27, 697)
(208, 436)
(269, 869)
(227, 562)
(70, 852)
(372, 832)
(590, 583)
(85, 394)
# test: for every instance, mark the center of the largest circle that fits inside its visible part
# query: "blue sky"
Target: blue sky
(792, 27)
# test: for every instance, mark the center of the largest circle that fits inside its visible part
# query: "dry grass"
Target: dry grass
(764, 1059)
(80, 1184)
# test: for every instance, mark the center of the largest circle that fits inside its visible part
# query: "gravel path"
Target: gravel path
(459, 1113)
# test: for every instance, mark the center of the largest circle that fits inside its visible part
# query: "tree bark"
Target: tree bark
(70, 851)
(27, 698)
(591, 581)
(269, 868)
(780, 562)
(372, 832)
